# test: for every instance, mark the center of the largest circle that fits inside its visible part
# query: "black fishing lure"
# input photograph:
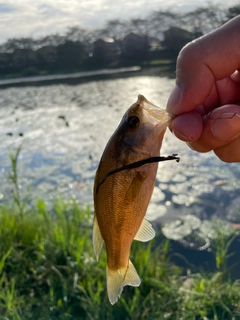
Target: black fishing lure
(138, 164)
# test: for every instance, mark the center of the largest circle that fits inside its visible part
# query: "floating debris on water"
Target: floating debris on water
(199, 233)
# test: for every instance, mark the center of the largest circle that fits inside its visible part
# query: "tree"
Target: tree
(135, 48)
(18, 43)
(139, 26)
(23, 58)
(233, 12)
(115, 29)
(175, 38)
(47, 54)
(76, 33)
(71, 53)
(204, 19)
(5, 59)
(160, 21)
(50, 40)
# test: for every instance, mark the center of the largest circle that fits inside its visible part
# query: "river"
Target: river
(63, 129)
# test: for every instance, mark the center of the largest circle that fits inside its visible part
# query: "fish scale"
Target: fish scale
(121, 196)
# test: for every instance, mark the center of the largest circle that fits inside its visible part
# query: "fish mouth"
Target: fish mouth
(161, 116)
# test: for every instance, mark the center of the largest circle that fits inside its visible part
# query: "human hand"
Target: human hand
(206, 98)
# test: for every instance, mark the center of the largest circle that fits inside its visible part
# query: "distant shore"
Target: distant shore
(51, 77)
(162, 69)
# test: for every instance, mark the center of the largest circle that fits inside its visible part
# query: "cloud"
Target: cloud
(27, 18)
(4, 8)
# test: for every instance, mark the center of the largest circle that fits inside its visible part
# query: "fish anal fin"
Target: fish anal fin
(117, 279)
(97, 238)
(131, 278)
(145, 232)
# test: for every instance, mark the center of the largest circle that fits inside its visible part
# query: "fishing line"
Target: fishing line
(138, 164)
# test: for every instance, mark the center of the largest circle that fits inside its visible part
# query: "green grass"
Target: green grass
(160, 62)
(48, 271)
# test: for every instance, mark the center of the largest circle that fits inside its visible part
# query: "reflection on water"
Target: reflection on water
(64, 128)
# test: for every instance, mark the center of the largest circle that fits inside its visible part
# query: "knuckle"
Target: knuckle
(189, 53)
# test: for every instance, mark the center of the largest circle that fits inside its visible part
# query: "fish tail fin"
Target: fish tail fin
(117, 279)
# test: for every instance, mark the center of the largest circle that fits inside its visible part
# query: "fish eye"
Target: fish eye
(133, 122)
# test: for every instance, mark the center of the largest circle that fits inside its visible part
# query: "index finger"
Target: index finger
(201, 63)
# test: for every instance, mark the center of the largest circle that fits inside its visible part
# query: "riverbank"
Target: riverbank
(154, 68)
(25, 81)
(48, 270)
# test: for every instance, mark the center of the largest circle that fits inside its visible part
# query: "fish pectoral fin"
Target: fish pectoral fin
(97, 238)
(135, 183)
(117, 279)
(145, 232)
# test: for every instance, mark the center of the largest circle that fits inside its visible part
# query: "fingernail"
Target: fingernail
(174, 98)
(227, 126)
(179, 135)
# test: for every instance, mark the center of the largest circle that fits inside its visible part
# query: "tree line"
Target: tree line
(121, 42)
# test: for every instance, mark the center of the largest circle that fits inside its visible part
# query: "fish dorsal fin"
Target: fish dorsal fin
(145, 232)
(97, 238)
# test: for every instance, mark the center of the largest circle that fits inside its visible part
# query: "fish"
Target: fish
(123, 187)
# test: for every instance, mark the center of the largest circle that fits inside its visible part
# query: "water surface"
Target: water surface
(64, 128)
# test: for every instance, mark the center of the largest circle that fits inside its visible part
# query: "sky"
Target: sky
(36, 18)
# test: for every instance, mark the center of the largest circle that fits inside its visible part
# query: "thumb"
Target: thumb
(202, 62)
(220, 128)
